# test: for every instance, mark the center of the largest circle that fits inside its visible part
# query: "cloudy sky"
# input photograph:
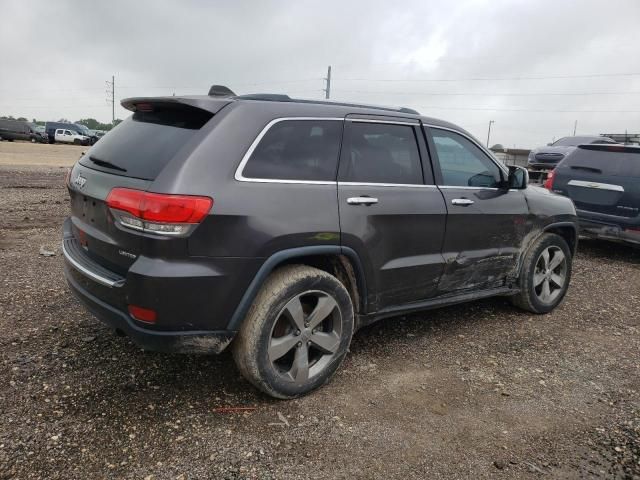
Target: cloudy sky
(534, 67)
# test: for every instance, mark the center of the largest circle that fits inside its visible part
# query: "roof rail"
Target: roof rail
(275, 97)
(270, 97)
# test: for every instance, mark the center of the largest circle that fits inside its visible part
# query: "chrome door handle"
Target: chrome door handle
(362, 200)
(463, 202)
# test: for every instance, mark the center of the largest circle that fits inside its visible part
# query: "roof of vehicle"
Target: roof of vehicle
(214, 103)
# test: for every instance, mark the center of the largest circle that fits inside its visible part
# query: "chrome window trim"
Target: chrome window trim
(239, 171)
(452, 187)
(388, 122)
(373, 184)
(485, 150)
(596, 185)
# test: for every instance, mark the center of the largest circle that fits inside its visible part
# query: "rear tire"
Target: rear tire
(296, 333)
(545, 275)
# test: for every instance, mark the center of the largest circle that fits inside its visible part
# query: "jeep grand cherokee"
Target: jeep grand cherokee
(281, 226)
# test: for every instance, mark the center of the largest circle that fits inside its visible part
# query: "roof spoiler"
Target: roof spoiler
(609, 147)
(220, 91)
(212, 105)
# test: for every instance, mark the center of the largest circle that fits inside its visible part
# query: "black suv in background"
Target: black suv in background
(281, 226)
(20, 130)
(548, 157)
(604, 183)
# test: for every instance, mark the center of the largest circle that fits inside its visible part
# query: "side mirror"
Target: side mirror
(518, 177)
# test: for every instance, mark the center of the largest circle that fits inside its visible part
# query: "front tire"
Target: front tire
(545, 274)
(296, 333)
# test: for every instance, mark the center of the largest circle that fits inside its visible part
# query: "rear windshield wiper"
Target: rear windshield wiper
(589, 169)
(105, 164)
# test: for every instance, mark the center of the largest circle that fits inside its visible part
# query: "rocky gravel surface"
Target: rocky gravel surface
(474, 391)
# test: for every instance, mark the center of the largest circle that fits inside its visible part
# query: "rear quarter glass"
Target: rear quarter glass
(145, 143)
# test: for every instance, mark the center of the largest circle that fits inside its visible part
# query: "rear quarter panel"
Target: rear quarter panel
(250, 219)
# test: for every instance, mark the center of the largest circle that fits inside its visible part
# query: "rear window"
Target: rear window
(297, 150)
(382, 153)
(605, 162)
(142, 145)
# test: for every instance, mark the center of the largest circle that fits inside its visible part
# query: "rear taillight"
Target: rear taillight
(165, 214)
(548, 183)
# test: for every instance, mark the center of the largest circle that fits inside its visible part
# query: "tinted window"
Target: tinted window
(144, 143)
(462, 163)
(297, 150)
(382, 153)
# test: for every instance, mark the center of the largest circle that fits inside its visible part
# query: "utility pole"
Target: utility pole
(575, 127)
(489, 132)
(327, 91)
(112, 97)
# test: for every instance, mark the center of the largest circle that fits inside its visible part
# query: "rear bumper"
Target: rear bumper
(607, 231)
(194, 298)
(206, 342)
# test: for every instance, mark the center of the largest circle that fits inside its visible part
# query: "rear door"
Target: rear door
(391, 213)
(604, 183)
(486, 223)
(131, 156)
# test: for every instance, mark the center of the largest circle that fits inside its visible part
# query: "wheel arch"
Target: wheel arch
(342, 262)
(567, 230)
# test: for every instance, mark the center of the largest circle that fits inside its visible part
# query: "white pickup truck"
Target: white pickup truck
(70, 136)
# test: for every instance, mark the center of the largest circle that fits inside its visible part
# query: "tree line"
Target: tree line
(90, 123)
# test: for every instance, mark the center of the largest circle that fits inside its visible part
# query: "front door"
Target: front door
(486, 222)
(391, 213)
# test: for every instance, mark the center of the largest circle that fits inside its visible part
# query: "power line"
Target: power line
(481, 79)
(491, 109)
(486, 94)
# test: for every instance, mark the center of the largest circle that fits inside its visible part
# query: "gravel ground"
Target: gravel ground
(475, 391)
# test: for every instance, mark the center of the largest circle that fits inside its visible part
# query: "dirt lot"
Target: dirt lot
(474, 391)
(23, 153)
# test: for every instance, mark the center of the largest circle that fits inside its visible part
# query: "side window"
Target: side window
(67, 132)
(382, 153)
(462, 163)
(297, 150)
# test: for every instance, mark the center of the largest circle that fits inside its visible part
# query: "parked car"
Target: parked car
(604, 183)
(70, 136)
(281, 226)
(51, 128)
(548, 157)
(20, 130)
(98, 134)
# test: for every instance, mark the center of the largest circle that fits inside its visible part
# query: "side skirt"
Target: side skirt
(432, 303)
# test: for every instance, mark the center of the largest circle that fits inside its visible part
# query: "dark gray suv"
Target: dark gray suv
(281, 226)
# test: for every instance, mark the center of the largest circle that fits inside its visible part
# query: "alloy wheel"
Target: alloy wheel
(305, 336)
(550, 274)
